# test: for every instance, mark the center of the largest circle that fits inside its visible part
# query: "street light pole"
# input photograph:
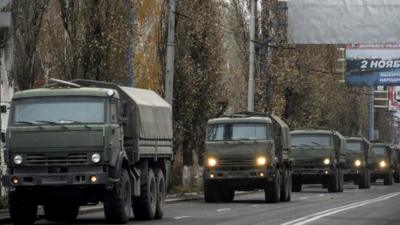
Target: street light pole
(170, 61)
(250, 99)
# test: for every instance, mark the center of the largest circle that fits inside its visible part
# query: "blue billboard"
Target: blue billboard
(373, 66)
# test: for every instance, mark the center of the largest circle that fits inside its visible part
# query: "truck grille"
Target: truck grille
(70, 159)
(237, 162)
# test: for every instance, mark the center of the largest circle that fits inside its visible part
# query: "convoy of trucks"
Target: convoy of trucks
(83, 142)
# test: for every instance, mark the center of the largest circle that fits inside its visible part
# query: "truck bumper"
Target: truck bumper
(313, 176)
(74, 179)
(379, 173)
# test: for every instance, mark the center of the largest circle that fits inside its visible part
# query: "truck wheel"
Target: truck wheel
(144, 207)
(273, 189)
(341, 181)
(226, 194)
(363, 181)
(296, 186)
(333, 183)
(61, 212)
(210, 191)
(373, 180)
(23, 211)
(286, 188)
(117, 202)
(388, 180)
(161, 192)
(396, 176)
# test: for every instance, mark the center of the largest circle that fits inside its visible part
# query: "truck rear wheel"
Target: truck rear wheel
(286, 187)
(117, 202)
(161, 192)
(388, 180)
(273, 189)
(23, 211)
(210, 191)
(144, 207)
(61, 211)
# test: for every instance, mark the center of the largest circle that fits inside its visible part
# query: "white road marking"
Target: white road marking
(223, 210)
(303, 198)
(256, 205)
(181, 217)
(319, 215)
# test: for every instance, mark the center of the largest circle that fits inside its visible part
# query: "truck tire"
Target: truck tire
(296, 186)
(23, 211)
(61, 211)
(273, 189)
(388, 180)
(161, 193)
(341, 181)
(373, 180)
(117, 202)
(396, 176)
(144, 207)
(333, 183)
(227, 194)
(286, 186)
(210, 191)
(363, 181)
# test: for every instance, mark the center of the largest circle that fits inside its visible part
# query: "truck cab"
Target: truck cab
(358, 161)
(382, 163)
(247, 151)
(319, 158)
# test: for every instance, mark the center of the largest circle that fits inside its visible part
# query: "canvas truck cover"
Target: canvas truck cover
(149, 115)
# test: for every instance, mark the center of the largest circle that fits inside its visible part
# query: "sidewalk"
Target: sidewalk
(4, 216)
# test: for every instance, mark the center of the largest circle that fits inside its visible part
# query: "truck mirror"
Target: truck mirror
(3, 109)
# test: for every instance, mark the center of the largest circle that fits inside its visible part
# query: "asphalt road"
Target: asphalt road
(379, 205)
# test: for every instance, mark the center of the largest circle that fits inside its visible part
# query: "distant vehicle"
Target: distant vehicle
(82, 142)
(358, 161)
(247, 151)
(396, 163)
(319, 158)
(382, 161)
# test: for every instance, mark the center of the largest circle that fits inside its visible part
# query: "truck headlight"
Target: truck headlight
(18, 159)
(327, 161)
(96, 158)
(261, 161)
(357, 163)
(382, 164)
(212, 162)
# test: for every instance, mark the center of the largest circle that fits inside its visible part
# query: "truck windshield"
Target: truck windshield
(354, 146)
(60, 110)
(311, 140)
(379, 150)
(238, 131)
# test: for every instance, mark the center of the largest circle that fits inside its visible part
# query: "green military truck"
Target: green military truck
(319, 158)
(396, 163)
(382, 163)
(247, 151)
(83, 142)
(358, 161)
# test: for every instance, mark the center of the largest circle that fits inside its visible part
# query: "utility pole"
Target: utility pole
(170, 61)
(130, 66)
(250, 99)
(371, 114)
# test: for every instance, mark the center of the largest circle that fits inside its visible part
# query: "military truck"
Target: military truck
(83, 142)
(319, 155)
(358, 162)
(247, 151)
(382, 163)
(396, 163)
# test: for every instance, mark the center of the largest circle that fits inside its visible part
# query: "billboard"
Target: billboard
(343, 21)
(373, 65)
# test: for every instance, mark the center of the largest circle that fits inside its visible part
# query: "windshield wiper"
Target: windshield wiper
(25, 122)
(62, 121)
(50, 122)
(318, 144)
